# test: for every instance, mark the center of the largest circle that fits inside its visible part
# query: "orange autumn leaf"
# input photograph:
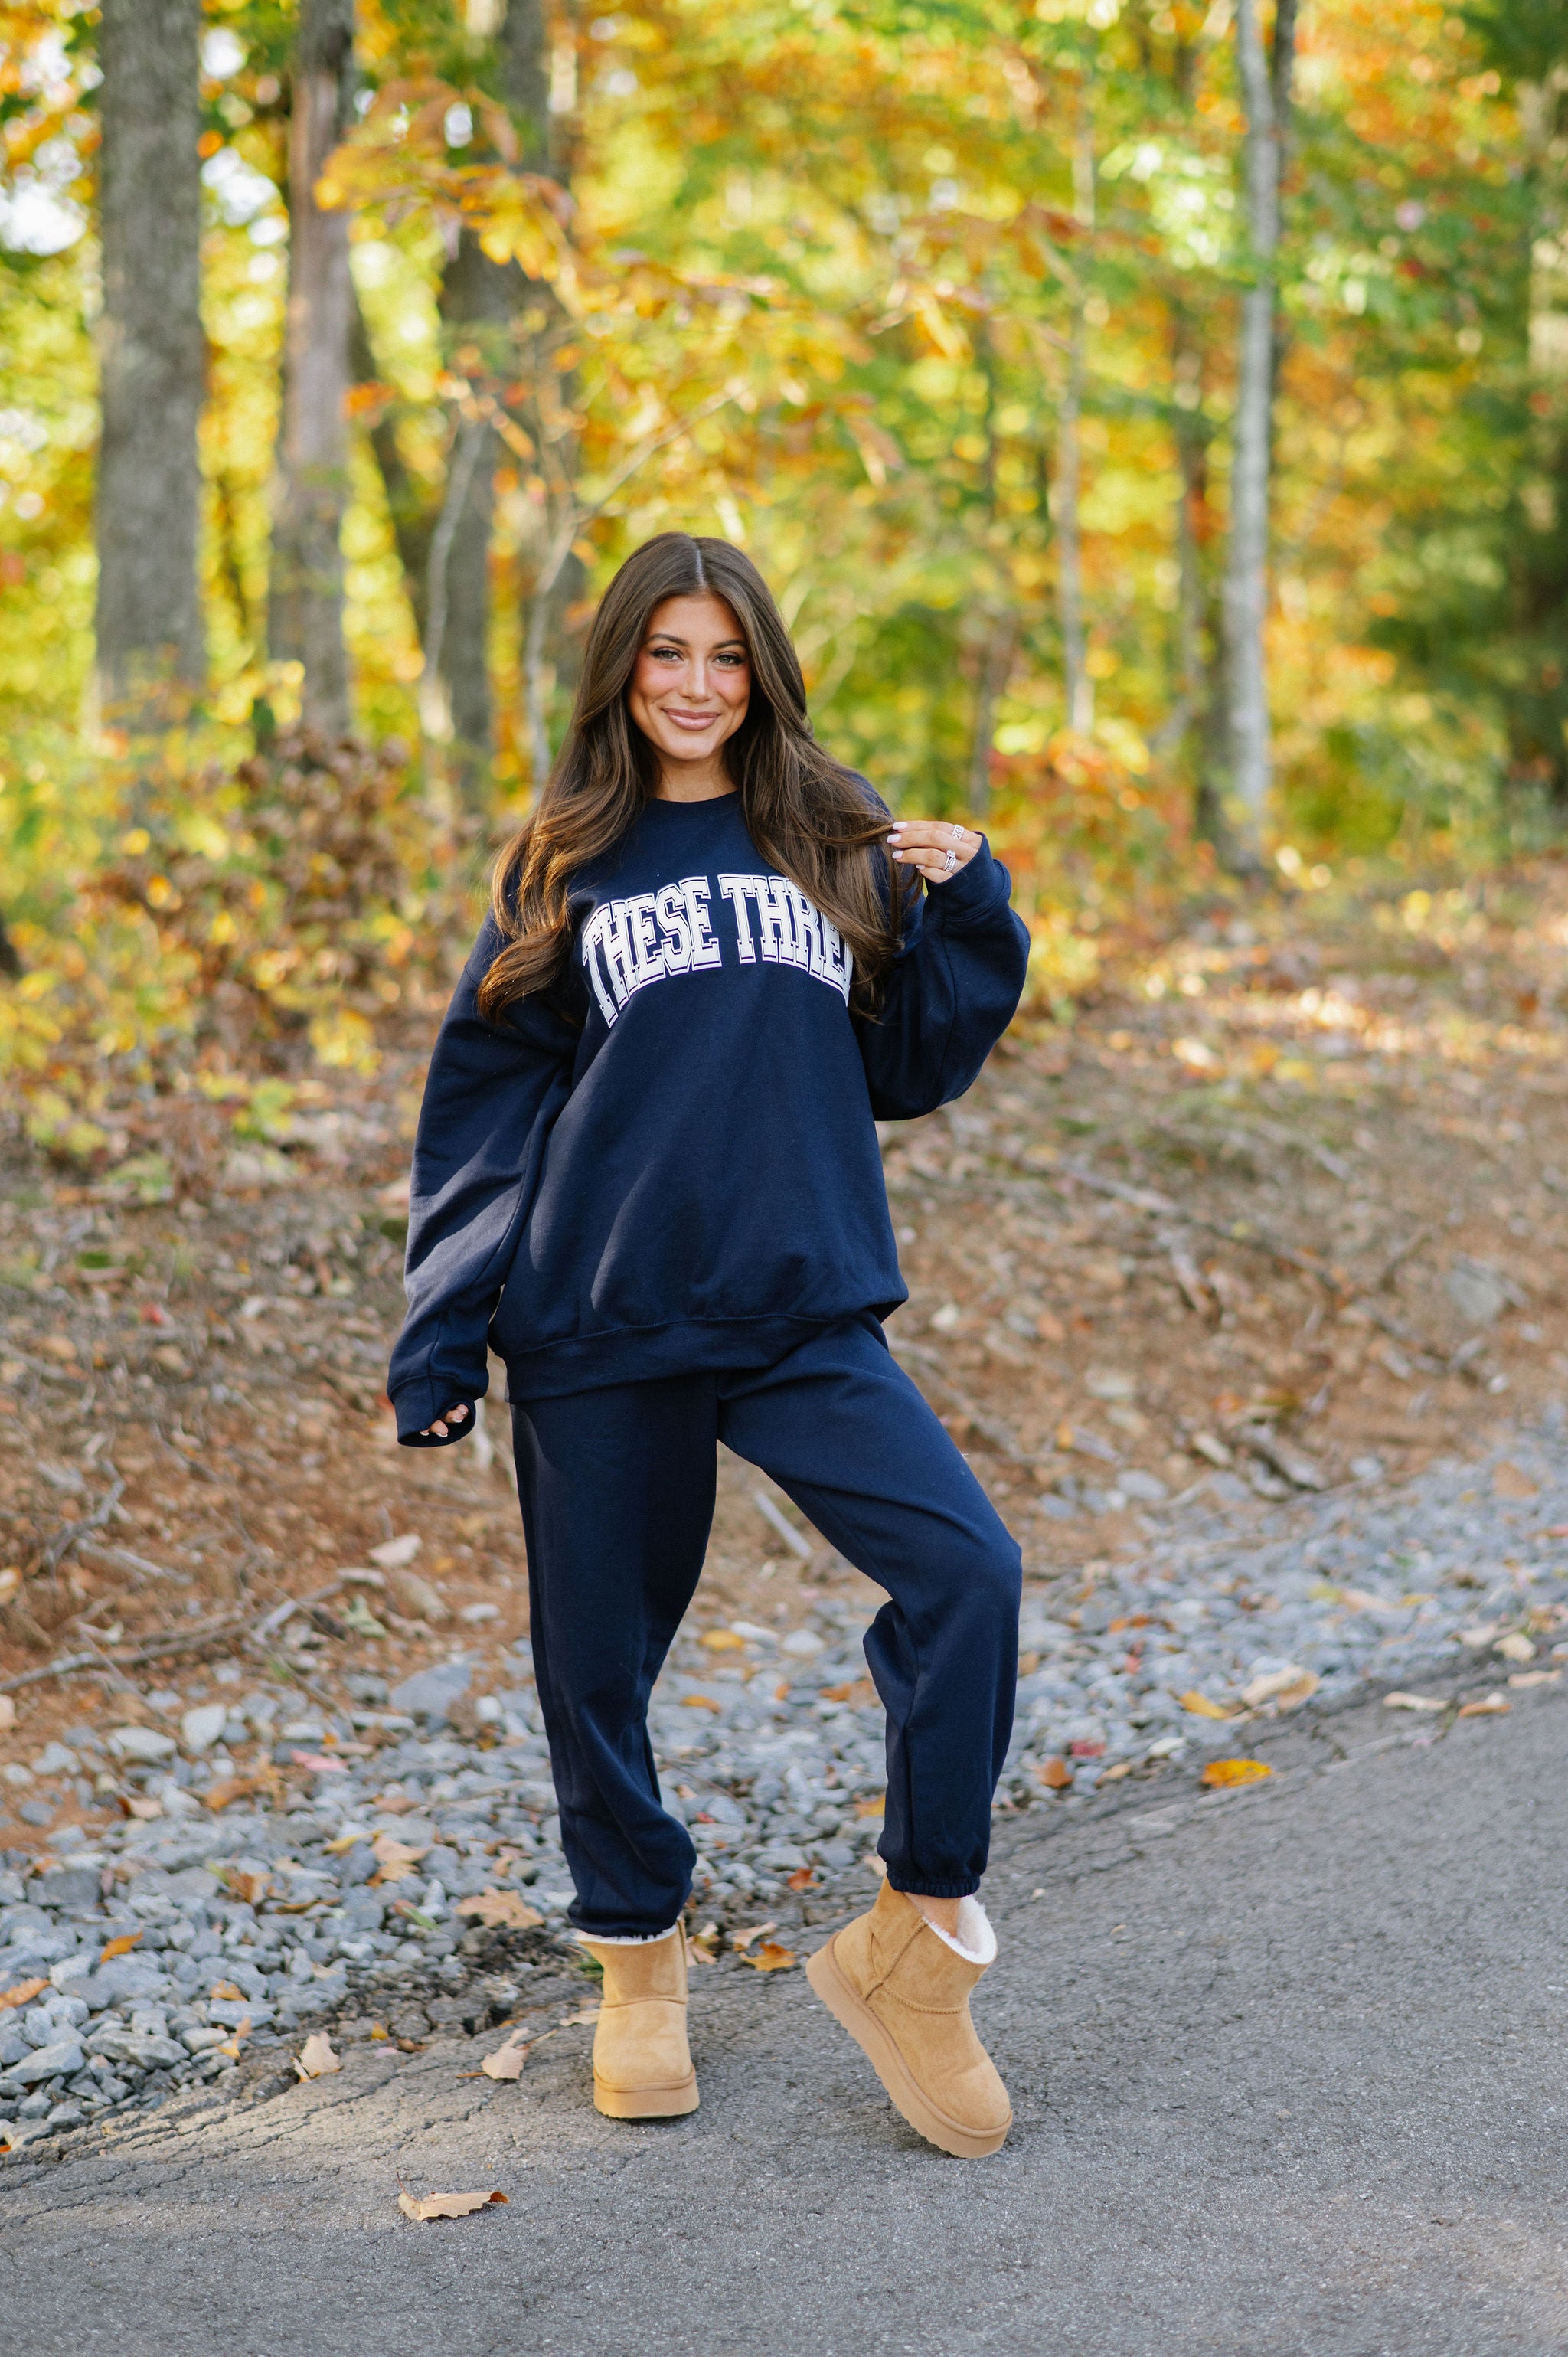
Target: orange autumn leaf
(22, 1994)
(771, 1958)
(1220, 1773)
(120, 1947)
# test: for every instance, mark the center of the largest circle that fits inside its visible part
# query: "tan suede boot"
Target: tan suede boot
(642, 2066)
(903, 1992)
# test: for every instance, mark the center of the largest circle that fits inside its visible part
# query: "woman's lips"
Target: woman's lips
(692, 720)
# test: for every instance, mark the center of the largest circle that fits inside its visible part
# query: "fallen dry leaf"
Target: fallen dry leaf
(237, 1788)
(341, 1844)
(226, 1991)
(316, 2059)
(508, 2060)
(741, 1940)
(801, 1879)
(1535, 1677)
(702, 1947)
(1115, 1775)
(1510, 1480)
(699, 1702)
(722, 1641)
(1515, 1647)
(396, 1860)
(318, 1763)
(444, 2205)
(1288, 1688)
(859, 1691)
(771, 1958)
(872, 1808)
(1055, 1774)
(1490, 1706)
(1220, 1773)
(249, 1887)
(500, 1907)
(22, 1994)
(1200, 1707)
(235, 2039)
(1414, 1702)
(134, 1806)
(120, 1947)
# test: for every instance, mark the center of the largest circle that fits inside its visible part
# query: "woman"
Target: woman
(647, 1175)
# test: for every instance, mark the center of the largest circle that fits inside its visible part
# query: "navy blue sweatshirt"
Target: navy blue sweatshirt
(675, 1166)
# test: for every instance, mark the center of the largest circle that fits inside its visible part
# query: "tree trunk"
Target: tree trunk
(307, 618)
(1078, 687)
(997, 669)
(479, 301)
(148, 621)
(1248, 752)
(478, 297)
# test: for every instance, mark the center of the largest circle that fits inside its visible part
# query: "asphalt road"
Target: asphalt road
(1288, 2069)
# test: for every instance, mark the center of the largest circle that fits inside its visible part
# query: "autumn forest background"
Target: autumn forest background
(1153, 420)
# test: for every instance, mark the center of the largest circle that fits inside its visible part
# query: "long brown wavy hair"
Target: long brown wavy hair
(806, 814)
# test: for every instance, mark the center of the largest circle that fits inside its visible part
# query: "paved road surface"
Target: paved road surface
(1289, 2074)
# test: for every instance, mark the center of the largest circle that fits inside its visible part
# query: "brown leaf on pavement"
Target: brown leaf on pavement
(22, 1994)
(120, 1947)
(1055, 1774)
(771, 1958)
(1490, 1706)
(1221, 1774)
(1510, 1480)
(1414, 1702)
(508, 2060)
(423, 2206)
(316, 2059)
(1288, 1688)
(493, 1908)
(741, 1940)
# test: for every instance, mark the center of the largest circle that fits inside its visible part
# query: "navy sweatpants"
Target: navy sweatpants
(617, 1486)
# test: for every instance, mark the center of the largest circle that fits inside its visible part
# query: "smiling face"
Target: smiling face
(689, 692)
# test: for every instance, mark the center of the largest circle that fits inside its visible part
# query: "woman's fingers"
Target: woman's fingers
(937, 847)
(437, 1431)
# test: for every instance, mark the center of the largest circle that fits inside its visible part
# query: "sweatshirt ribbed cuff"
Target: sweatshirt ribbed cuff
(972, 896)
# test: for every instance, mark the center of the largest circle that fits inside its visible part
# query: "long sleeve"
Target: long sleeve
(953, 990)
(491, 1098)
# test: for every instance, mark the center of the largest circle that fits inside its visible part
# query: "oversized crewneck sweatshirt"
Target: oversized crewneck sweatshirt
(672, 1162)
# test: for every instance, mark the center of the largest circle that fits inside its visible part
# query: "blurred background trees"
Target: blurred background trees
(1154, 418)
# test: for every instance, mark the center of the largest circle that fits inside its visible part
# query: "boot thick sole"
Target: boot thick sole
(849, 2008)
(646, 2103)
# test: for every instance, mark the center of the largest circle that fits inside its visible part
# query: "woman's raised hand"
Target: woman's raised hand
(452, 1416)
(939, 847)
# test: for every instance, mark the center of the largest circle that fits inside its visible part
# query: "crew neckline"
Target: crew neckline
(708, 802)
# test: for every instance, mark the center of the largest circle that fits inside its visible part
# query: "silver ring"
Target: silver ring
(952, 862)
(957, 832)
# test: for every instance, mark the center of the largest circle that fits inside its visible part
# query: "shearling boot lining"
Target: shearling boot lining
(974, 1939)
(647, 1939)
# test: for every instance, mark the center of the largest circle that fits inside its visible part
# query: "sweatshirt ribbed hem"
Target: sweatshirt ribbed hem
(638, 1354)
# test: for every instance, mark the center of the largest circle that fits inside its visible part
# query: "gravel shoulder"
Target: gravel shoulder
(1288, 2065)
